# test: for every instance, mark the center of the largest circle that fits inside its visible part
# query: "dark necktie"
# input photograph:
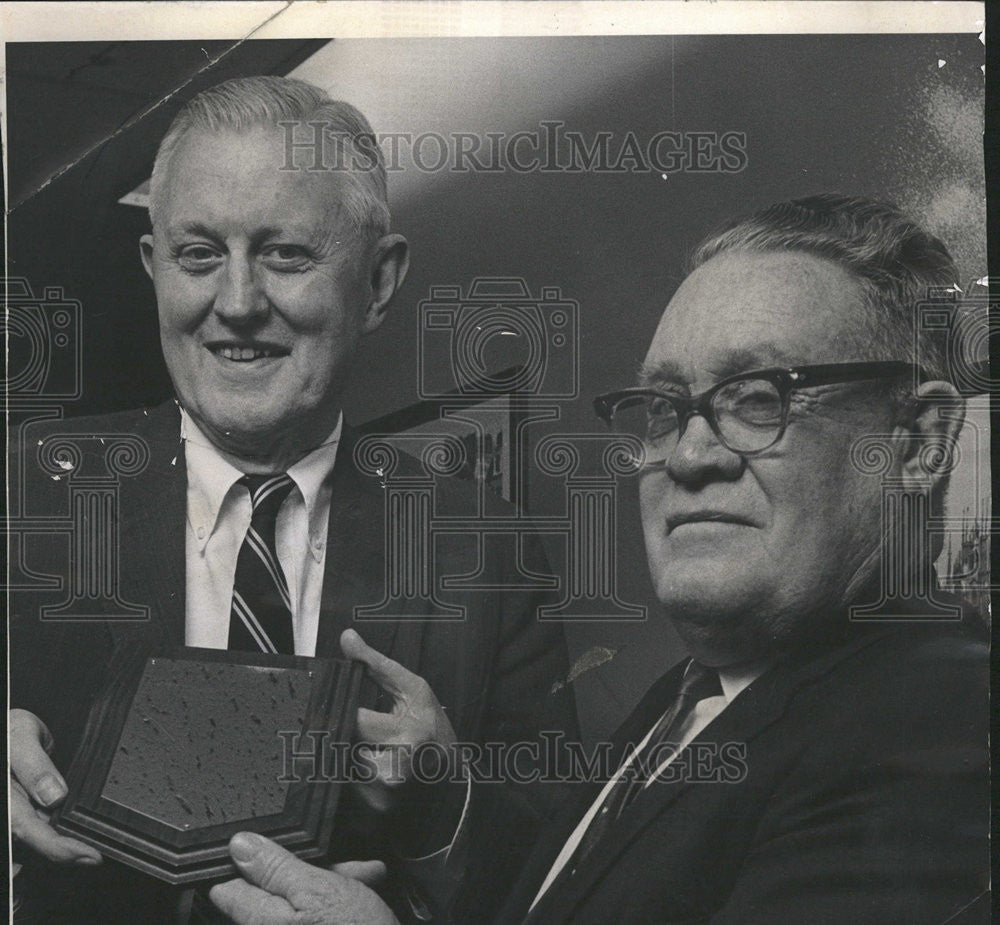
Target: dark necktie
(261, 614)
(698, 683)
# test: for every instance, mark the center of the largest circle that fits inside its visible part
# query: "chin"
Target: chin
(722, 609)
(710, 589)
(725, 620)
(244, 429)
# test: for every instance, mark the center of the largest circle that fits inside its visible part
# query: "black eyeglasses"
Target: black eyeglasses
(747, 412)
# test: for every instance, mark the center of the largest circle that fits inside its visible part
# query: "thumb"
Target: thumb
(269, 866)
(368, 872)
(390, 675)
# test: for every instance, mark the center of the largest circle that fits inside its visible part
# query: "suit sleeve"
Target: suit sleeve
(885, 817)
(529, 692)
(56, 667)
(530, 712)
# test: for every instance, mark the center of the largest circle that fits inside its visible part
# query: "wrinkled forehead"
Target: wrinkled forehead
(243, 177)
(743, 310)
(257, 149)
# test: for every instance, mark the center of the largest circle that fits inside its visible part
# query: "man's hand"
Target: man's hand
(36, 786)
(416, 719)
(279, 889)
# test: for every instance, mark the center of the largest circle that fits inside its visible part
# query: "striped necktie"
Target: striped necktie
(261, 614)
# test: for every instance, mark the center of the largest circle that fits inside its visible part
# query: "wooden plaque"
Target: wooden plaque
(186, 747)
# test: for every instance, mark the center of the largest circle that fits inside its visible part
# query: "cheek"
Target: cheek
(317, 308)
(825, 503)
(321, 358)
(182, 305)
(650, 504)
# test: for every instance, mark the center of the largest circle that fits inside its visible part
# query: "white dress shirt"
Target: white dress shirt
(733, 681)
(218, 516)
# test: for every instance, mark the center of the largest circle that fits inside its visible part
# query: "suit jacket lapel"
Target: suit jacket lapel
(152, 530)
(756, 708)
(555, 836)
(152, 537)
(354, 572)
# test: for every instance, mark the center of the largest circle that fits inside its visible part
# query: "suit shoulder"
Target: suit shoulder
(919, 684)
(131, 421)
(125, 436)
(926, 656)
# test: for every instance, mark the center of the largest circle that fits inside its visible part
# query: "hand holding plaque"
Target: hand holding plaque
(278, 888)
(36, 789)
(186, 748)
(416, 719)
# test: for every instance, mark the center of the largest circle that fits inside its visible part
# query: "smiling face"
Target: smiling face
(264, 287)
(743, 551)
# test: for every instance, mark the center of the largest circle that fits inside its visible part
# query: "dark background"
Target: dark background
(873, 115)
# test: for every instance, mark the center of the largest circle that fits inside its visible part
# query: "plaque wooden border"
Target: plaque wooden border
(199, 853)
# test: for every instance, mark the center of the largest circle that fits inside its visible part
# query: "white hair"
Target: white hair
(249, 102)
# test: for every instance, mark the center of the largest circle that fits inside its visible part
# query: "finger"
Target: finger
(29, 827)
(390, 766)
(275, 870)
(378, 728)
(23, 719)
(30, 764)
(396, 679)
(369, 873)
(250, 905)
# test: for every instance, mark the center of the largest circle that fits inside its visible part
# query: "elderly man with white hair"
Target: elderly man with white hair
(822, 756)
(251, 528)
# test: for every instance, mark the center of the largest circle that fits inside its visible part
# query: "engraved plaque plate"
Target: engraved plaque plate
(185, 748)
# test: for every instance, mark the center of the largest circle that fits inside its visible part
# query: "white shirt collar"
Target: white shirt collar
(211, 477)
(737, 678)
(311, 474)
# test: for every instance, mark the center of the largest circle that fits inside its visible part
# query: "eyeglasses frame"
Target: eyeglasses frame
(785, 379)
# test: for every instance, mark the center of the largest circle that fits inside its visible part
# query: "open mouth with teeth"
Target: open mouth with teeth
(246, 354)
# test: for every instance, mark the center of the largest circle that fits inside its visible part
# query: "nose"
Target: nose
(699, 456)
(240, 299)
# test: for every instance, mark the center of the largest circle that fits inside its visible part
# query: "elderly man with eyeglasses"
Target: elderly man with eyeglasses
(822, 755)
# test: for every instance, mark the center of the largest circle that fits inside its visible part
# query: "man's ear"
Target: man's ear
(390, 261)
(146, 253)
(935, 418)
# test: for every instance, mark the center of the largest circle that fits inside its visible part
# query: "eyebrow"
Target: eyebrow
(762, 355)
(259, 236)
(650, 374)
(192, 228)
(757, 356)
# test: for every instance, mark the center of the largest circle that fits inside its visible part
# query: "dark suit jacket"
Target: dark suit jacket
(861, 796)
(493, 671)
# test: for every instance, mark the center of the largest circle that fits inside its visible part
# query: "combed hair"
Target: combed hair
(897, 263)
(249, 102)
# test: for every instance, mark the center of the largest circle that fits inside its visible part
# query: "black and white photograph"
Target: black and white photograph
(507, 462)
